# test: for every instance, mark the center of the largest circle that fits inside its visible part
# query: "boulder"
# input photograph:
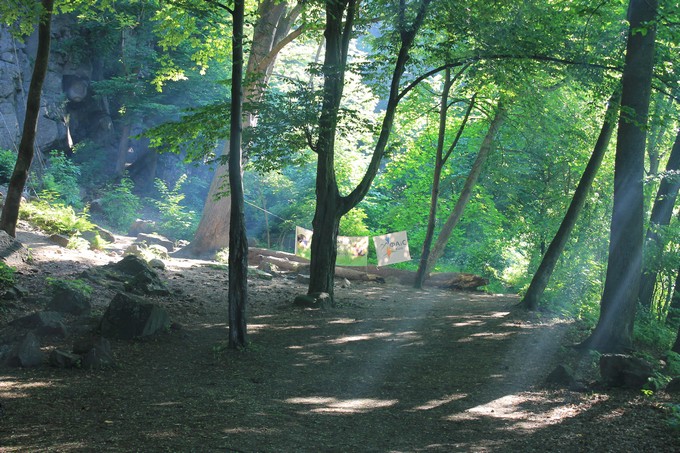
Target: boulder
(315, 300)
(157, 264)
(146, 282)
(150, 239)
(60, 240)
(95, 353)
(16, 292)
(128, 317)
(11, 250)
(26, 353)
(130, 265)
(561, 376)
(43, 323)
(69, 299)
(621, 370)
(141, 226)
(64, 359)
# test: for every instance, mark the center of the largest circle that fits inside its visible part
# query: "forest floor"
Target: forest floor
(389, 369)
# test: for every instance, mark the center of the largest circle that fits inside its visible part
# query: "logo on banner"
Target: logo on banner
(352, 250)
(392, 248)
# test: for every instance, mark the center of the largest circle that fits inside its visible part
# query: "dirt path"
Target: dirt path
(389, 369)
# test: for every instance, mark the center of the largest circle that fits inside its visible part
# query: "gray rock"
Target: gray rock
(262, 275)
(157, 239)
(270, 268)
(38, 319)
(16, 292)
(316, 300)
(95, 352)
(302, 278)
(70, 300)
(64, 359)
(157, 264)
(621, 370)
(562, 376)
(60, 240)
(26, 353)
(141, 226)
(146, 282)
(130, 265)
(129, 317)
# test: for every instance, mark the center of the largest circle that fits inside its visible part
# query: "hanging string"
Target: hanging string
(263, 210)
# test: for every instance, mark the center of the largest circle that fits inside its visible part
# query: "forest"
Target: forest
(530, 147)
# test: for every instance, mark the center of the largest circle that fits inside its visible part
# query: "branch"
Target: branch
(469, 60)
(220, 5)
(277, 48)
(460, 129)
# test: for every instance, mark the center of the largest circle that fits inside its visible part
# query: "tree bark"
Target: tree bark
(614, 329)
(542, 276)
(238, 243)
(10, 210)
(330, 206)
(440, 161)
(271, 31)
(674, 307)
(662, 211)
(466, 193)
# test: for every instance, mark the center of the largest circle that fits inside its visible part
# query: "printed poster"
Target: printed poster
(392, 248)
(352, 250)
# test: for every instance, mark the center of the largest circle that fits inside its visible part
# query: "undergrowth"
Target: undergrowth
(53, 217)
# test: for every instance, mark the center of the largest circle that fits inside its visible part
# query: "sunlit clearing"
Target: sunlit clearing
(15, 389)
(495, 335)
(528, 410)
(252, 328)
(334, 405)
(468, 323)
(353, 338)
(210, 326)
(250, 430)
(440, 402)
(162, 435)
(343, 321)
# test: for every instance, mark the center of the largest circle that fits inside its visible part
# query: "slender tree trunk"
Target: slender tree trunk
(440, 161)
(123, 146)
(466, 193)
(238, 242)
(662, 211)
(330, 206)
(614, 330)
(674, 307)
(542, 276)
(271, 33)
(10, 210)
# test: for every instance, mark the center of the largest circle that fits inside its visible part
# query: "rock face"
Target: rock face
(70, 300)
(129, 317)
(26, 353)
(620, 370)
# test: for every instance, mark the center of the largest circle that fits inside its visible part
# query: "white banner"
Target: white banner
(392, 248)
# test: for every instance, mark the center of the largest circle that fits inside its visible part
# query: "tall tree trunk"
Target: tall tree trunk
(674, 307)
(614, 329)
(466, 193)
(330, 206)
(662, 211)
(542, 276)
(123, 147)
(270, 35)
(10, 210)
(238, 242)
(440, 161)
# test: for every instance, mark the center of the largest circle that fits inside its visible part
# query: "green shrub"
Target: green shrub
(77, 285)
(652, 333)
(177, 221)
(53, 217)
(61, 180)
(7, 277)
(120, 205)
(7, 161)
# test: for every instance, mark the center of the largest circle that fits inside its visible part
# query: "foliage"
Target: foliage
(176, 220)
(61, 180)
(53, 217)
(7, 160)
(76, 285)
(7, 277)
(650, 332)
(120, 206)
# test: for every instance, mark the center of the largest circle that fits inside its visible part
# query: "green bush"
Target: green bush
(7, 277)
(120, 205)
(177, 221)
(61, 180)
(53, 217)
(650, 332)
(7, 160)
